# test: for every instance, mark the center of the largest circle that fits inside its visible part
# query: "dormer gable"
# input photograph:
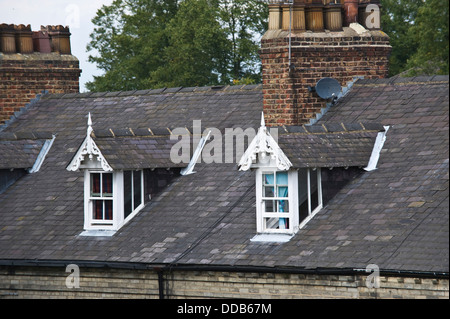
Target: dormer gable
(89, 155)
(122, 171)
(264, 151)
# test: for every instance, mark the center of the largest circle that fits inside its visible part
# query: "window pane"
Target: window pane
(269, 206)
(95, 185)
(282, 191)
(283, 206)
(268, 179)
(108, 214)
(127, 209)
(303, 194)
(107, 182)
(268, 191)
(282, 178)
(102, 209)
(276, 223)
(137, 187)
(314, 189)
(276, 206)
(97, 211)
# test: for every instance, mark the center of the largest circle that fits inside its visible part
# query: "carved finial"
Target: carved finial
(89, 123)
(263, 123)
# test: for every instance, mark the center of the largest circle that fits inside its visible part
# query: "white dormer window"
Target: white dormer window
(275, 201)
(286, 198)
(112, 198)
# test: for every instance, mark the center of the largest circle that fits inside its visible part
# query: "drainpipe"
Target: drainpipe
(160, 272)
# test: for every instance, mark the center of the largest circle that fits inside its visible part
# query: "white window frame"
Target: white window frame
(293, 214)
(137, 209)
(118, 202)
(312, 213)
(292, 203)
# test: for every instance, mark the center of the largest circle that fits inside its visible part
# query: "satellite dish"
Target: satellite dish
(327, 88)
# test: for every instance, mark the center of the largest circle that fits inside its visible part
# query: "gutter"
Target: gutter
(162, 268)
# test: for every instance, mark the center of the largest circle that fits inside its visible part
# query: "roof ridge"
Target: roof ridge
(22, 135)
(333, 128)
(132, 132)
(399, 80)
(165, 90)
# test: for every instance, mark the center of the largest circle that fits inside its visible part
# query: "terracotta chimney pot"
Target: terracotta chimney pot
(350, 11)
(7, 38)
(24, 39)
(60, 38)
(41, 42)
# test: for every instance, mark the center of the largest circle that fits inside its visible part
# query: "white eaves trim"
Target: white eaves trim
(90, 149)
(265, 149)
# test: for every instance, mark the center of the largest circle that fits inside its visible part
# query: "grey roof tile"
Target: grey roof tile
(396, 216)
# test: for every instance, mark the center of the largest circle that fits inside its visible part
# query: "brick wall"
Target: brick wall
(49, 282)
(340, 55)
(47, 65)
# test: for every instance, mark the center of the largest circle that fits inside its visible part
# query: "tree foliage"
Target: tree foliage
(431, 31)
(418, 30)
(142, 44)
(145, 44)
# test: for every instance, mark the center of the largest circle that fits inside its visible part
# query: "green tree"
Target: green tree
(397, 19)
(129, 38)
(145, 44)
(197, 48)
(431, 31)
(244, 21)
(418, 30)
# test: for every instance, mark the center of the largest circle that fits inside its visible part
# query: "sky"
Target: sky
(77, 14)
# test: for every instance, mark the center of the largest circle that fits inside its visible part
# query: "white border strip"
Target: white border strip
(379, 142)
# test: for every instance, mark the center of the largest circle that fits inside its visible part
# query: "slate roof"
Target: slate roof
(395, 216)
(20, 150)
(335, 145)
(138, 151)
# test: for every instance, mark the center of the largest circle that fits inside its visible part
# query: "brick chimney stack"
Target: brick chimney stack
(325, 41)
(32, 62)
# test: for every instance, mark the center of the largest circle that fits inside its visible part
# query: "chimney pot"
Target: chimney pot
(24, 39)
(41, 42)
(333, 17)
(314, 16)
(7, 38)
(274, 17)
(60, 38)
(350, 11)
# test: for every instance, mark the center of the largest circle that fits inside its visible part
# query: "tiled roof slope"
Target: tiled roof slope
(138, 151)
(335, 148)
(395, 216)
(20, 150)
